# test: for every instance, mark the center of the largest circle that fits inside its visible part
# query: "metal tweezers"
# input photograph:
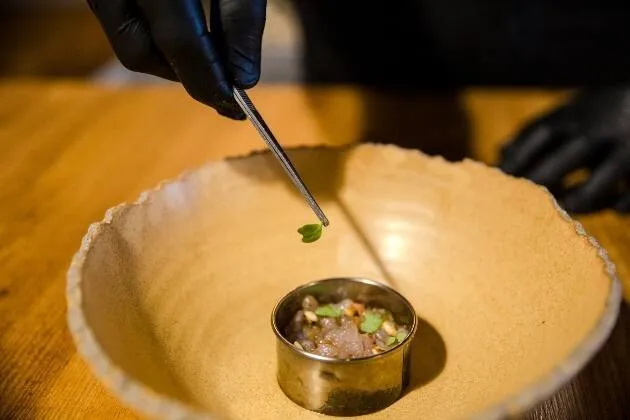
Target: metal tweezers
(252, 114)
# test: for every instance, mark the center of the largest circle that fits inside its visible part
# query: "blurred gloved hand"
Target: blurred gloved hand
(591, 132)
(170, 39)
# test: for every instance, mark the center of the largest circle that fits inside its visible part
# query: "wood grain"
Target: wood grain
(70, 151)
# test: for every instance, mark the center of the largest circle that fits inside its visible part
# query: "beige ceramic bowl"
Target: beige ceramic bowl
(170, 297)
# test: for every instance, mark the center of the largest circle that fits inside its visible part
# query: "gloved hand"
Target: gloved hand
(592, 132)
(170, 39)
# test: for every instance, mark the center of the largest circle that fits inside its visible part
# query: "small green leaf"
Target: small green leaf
(371, 322)
(329, 310)
(390, 341)
(311, 233)
(401, 335)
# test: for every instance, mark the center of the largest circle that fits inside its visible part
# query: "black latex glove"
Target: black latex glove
(592, 132)
(170, 39)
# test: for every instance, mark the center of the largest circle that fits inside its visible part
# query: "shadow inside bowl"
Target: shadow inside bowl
(127, 337)
(321, 168)
(428, 355)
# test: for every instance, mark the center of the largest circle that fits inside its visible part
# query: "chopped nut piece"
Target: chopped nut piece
(309, 303)
(310, 316)
(354, 309)
(389, 328)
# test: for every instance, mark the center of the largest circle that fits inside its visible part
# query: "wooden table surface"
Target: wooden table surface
(70, 150)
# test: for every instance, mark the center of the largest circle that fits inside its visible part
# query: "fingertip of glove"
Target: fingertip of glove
(234, 114)
(245, 79)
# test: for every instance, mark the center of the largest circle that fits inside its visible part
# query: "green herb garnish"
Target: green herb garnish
(401, 335)
(329, 310)
(371, 322)
(390, 341)
(311, 233)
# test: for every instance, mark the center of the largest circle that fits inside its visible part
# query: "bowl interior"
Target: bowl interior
(170, 298)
